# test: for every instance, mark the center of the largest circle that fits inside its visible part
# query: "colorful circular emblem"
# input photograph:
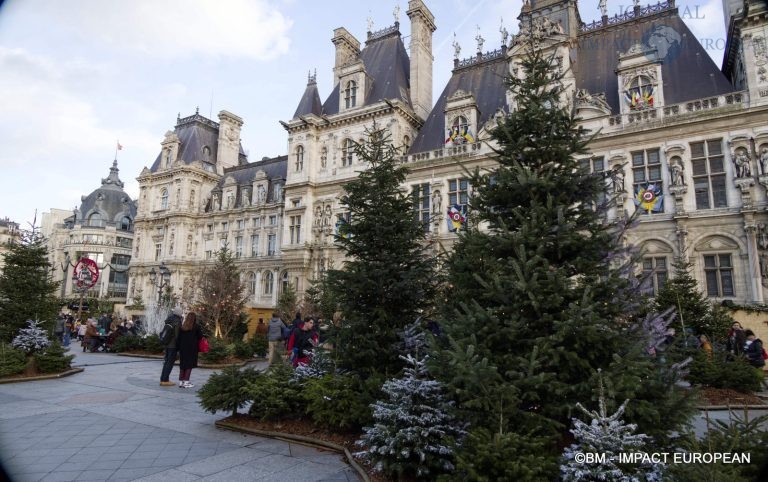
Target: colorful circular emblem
(86, 273)
(648, 196)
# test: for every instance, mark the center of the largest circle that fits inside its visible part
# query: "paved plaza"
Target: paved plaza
(114, 422)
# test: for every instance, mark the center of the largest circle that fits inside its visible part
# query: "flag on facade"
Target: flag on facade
(457, 217)
(649, 198)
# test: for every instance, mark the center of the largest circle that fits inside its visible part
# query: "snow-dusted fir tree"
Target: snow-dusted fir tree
(414, 431)
(32, 338)
(320, 364)
(608, 436)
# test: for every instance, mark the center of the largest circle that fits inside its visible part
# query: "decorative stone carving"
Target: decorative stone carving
(261, 194)
(676, 174)
(437, 202)
(745, 184)
(741, 162)
(584, 99)
(456, 48)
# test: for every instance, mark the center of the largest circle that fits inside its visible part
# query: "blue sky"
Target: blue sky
(76, 76)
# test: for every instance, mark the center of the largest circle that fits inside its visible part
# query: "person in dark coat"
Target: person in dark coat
(188, 346)
(753, 350)
(171, 349)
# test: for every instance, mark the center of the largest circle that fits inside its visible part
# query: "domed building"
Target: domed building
(101, 229)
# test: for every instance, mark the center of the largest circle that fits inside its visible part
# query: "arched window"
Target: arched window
(284, 282)
(251, 283)
(347, 152)
(95, 219)
(299, 158)
(125, 223)
(640, 93)
(269, 281)
(164, 199)
(350, 94)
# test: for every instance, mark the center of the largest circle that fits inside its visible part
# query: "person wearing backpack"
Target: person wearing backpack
(753, 350)
(170, 336)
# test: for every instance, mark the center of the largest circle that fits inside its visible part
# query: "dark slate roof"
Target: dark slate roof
(388, 66)
(485, 81)
(196, 132)
(276, 168)
(687, 71)
(109, 200)
(310, 101)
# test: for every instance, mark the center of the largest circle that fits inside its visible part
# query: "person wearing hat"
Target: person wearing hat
(174, 320)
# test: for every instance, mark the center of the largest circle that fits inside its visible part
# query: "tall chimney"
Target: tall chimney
(347, 50)
(422, 27)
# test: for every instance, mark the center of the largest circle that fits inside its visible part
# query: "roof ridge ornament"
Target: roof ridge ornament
(504, 33)
(396, 13)
(480, 41)
(456, 47)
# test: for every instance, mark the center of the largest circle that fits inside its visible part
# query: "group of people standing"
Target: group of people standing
(298, 338)
(743, 342)
(185, 343)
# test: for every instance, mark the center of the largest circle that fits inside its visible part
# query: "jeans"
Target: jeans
(170, 359)
(65, 342)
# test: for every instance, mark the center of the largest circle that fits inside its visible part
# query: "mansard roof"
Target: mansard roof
(196, 132)
(275, 168)
(484, 79)
(389, 68)
(687, 70)
(109, 200)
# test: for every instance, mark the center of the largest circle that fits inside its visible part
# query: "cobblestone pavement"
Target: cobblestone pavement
(114, 422)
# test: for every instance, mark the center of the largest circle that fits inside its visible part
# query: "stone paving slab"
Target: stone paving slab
(114, 422)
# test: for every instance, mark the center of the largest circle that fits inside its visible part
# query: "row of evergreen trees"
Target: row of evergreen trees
(530, 309)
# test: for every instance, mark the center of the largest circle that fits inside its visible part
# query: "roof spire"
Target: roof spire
(113, 178)
(370, 22)
(480, 41)
(396, 13)
(311, 78)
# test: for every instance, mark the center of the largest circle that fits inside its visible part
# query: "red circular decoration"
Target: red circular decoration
(86, 273)
(456, 216)
(648, 196)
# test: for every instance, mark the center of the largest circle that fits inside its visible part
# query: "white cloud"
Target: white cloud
(181, 28)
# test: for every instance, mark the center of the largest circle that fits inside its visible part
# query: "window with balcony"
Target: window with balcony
(239, 247)
(254, 245)
(158, 251)
(269, 281)
(164, 199)
(271, 244)
(251, 277)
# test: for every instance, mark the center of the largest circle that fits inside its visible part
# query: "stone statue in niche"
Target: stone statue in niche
(216, 204)
(230, 200)
(764, 159)
(762, 236)
(246, 197)
(741, 161)
(189, 244)
(617, 180)
(676, 173)
(261, 194)
(437, 202)
(277, 193)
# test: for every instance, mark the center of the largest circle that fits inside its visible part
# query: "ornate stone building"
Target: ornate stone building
(681, 140)
(9, 233)
(101, 229)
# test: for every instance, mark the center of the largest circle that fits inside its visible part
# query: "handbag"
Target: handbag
(203, 346)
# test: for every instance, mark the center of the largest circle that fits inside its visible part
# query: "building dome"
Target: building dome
(108, 205)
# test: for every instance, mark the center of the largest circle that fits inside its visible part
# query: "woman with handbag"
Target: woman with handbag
(190, 335)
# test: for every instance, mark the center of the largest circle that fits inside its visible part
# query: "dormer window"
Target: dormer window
(299, 158)
(350, 94)
(95, 220)
(168, 158)
(206, 154)
(347, 151)
(125, 223)
(459, 132)
(639, 96)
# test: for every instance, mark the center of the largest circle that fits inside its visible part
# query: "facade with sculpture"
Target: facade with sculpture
(682, 142)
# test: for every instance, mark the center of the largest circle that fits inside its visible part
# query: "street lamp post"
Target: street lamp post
(160, 281)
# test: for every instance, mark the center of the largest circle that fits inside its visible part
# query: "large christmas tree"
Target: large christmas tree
(26, 287)
(221, 296)
(541, 296)
(388, 277)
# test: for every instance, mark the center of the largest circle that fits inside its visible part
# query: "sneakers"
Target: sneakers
(166, 384)
(185, 384)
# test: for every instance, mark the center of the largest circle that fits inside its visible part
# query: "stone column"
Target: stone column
(754, 274)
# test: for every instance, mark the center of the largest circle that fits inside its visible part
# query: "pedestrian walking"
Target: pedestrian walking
(753, 350)
(174, 323)
(274, 335)
(188, 346)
